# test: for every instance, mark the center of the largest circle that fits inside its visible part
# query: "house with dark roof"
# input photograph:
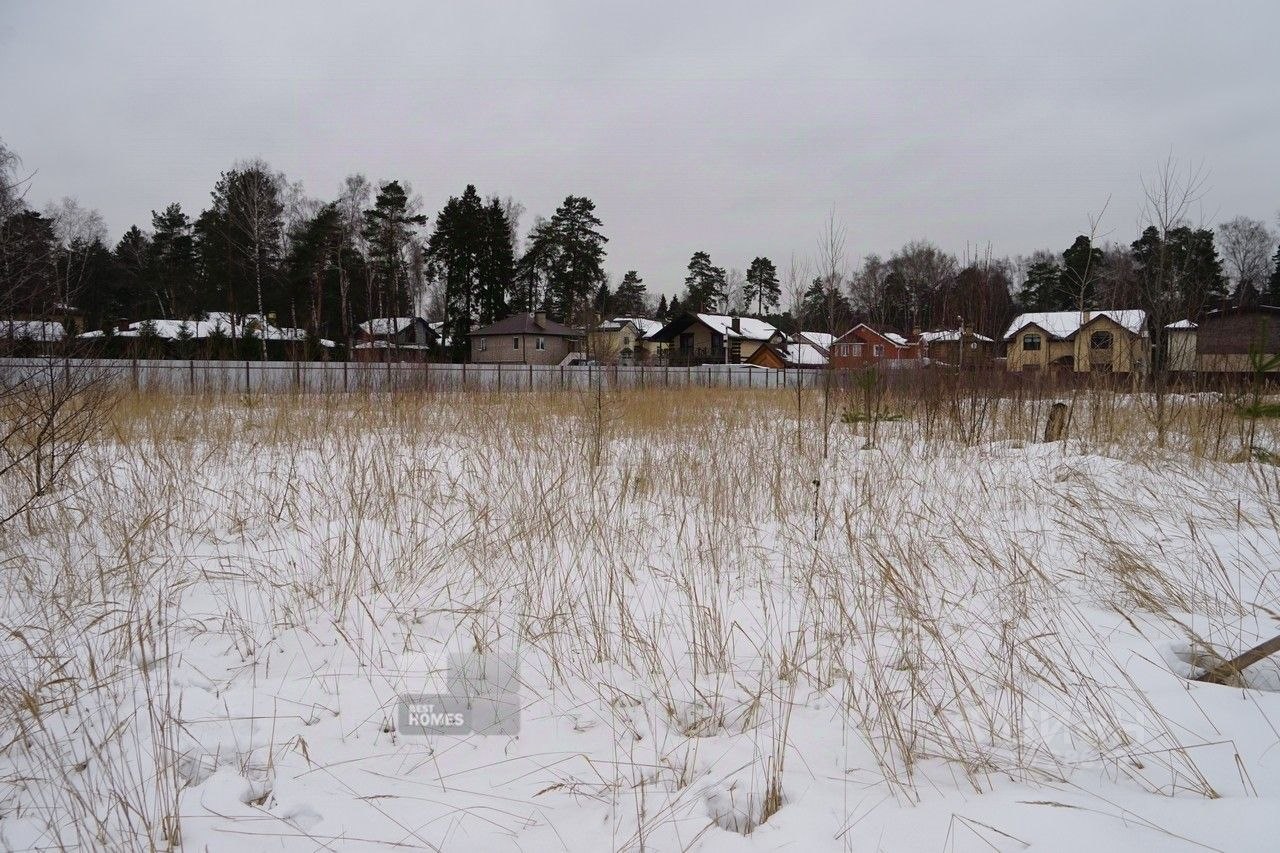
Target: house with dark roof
(715, 338)
(1110, 341)
(529, 338)
(1228, 340)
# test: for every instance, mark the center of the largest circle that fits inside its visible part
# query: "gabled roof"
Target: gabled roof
(32, 330)
(884, 334)
(947, 335)
(644, 325)
(215, 323)
(818, 339)
(1064, 324)
(749, 328)
(527, 324)
(389, 325)
(1182, 324)
(805, 355)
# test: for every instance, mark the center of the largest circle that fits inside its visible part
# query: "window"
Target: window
(1100, 340)
(857, 350)
(540, 343)
(482, 344)
(1030, 343)
(515, 343)
(877, 350)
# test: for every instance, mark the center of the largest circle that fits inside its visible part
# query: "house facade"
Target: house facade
(525, 339)
(1224, 341)
(626, 340)
(1112, 341)
(866, 346)
(715, 339)
(961, 348)
(396, 331)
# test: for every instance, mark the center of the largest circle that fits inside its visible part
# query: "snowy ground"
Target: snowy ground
(943, 645)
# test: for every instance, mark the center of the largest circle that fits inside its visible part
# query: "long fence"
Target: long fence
(321, 377)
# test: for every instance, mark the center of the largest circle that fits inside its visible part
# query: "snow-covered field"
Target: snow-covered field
(957, 639)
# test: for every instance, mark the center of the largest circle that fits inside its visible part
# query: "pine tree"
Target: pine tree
(602, 304)
(704, 285)
(389, 228)
(1273, 284)
(629, 300)
(1040, 291)
(762, 286)
(495, 263)
(675, 309)
(455, 251)
(571, 252)
(663, 313)
(171, 264)
(1081, 270)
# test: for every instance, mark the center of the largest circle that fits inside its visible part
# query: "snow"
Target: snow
(969, 646)
(215, 323)
(32, 330)
(822, 339)
(1064, 324)
(382, 326)
(805, 355)
(894, 337)
(1182, 324)
(644, 325)
(948, 335)
(748, 328)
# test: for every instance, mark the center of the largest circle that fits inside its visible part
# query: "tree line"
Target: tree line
(262, 246)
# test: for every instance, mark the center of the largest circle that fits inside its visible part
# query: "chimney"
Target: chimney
(122, 324)
(540, 318)
(736, 325)
(916, 331)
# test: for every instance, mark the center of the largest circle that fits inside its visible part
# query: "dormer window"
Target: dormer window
(1100, 340)
(1030, 343)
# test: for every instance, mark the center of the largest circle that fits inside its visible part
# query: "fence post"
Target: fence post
(134, 371)
(531, 376)
(499, 377)
(246, 376)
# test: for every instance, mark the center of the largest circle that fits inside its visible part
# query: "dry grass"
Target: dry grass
(668, 572)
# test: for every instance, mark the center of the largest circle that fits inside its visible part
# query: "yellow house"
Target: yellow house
(1078, 341)
(625, 340)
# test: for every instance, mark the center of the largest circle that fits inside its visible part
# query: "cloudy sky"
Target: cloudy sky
(734, 128)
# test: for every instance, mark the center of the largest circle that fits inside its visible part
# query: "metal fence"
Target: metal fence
(320, 377)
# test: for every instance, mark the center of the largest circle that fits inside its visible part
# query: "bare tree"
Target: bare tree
(254, 217)
(1246, 246)
(867, 288)
(1081, 281)
(1169, 195)
(831, 276)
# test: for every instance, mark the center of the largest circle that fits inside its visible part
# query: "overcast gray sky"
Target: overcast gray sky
(729, 127)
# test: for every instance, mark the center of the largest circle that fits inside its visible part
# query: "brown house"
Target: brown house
(865, 346)
(963, 348)
(1078, 342)
(525, 339)
(1226, 341)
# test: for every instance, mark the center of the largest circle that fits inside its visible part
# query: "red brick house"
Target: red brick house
(866, 346)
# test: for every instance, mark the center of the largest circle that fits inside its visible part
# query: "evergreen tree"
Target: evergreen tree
(629, 300)
(171, 264)
(568, 251)
(320, 255)
(495, 263)
(389, 229)
(602, 304)
(1181, 273)
(454, 251)
(1040, 291)
(1273, 284)
(1081, 271)
(675, 309)
(663, 313)
(704, 286)
(131, 255)
(762, 286)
